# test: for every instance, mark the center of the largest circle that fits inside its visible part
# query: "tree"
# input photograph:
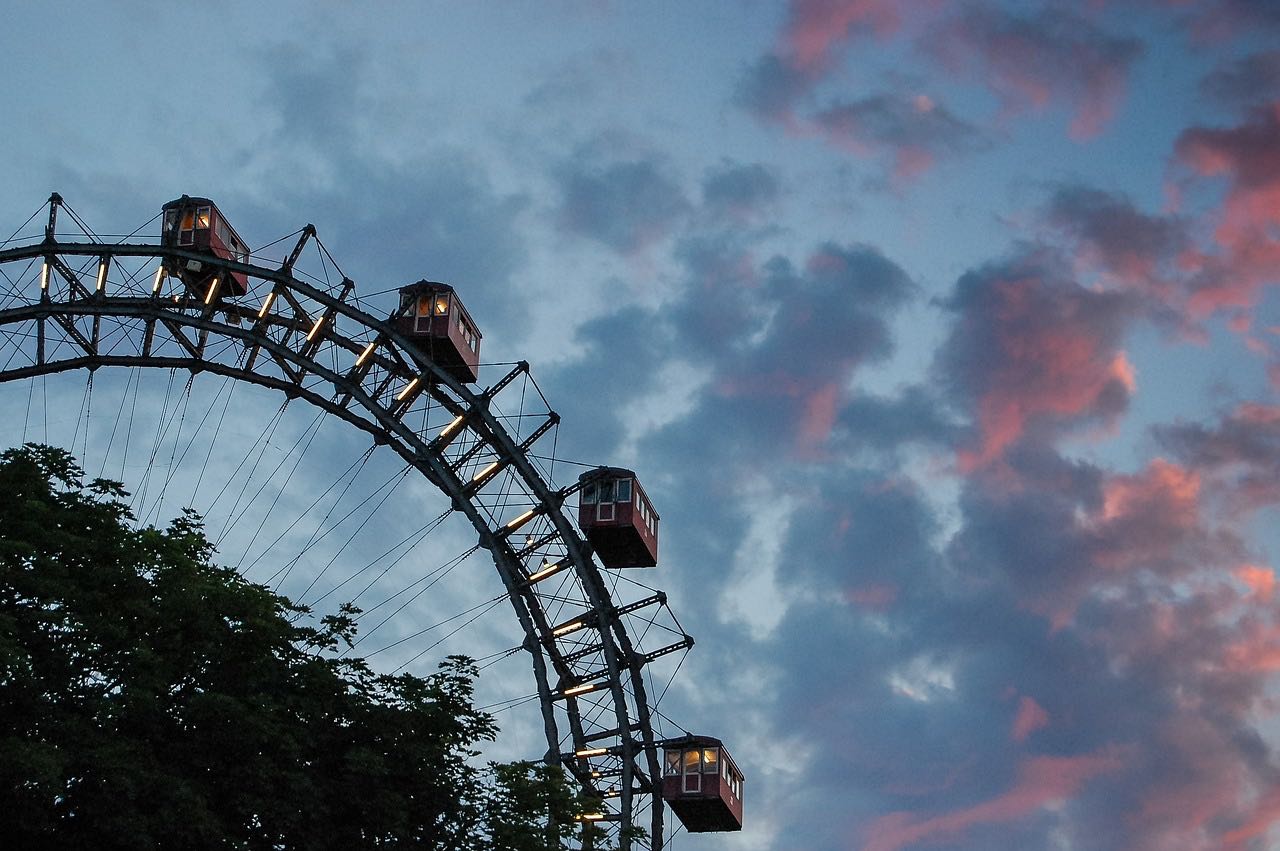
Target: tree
(152, 699)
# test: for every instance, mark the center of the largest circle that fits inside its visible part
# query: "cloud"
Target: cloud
(1251, 81)
(1261, 581)
(818, 29)
(823, 323)
(1219, 20)
(1031, 717)
(739, 193)
(817, 32)
(913, 131)
(1035, 60)
(1240, 454)
(1032, 351)
(1135, 250)
(884, 424)
(1162, 642)
(625, 204)
(1042, 781)
(1248, 230)
(771, 89)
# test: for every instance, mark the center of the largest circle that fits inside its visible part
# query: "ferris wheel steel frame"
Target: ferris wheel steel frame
(316, 345)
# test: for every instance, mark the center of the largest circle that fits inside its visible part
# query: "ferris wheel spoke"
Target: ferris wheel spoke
(322, 527)
(369, 509)
(404, 546)
(244, 506)
(427, 582)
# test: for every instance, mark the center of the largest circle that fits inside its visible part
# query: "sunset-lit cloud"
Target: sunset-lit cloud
(1031, 350)
(1031, 717)
(1247, 232)
(1132, 249)
(1049, 58)
(913, 132)
(816, 29)
(1042, 781)
(1240, 454)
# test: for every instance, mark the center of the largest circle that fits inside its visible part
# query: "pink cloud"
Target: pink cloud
(878, 597)
(1255, 650)
(1189, 807)
(1261, 581)
(1264, 816)
(817, 29)
(1050, 357)
(1131, 249)
(820, 409)
(1248, 230)
(1239, 457)
(1145, 516)
(811, 404)
(1042, 781)
(912, 131)
(1031, 717)
(1031, 62)
(1143, 525)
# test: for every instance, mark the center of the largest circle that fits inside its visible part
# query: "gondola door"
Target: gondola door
(186, 232)
(605, 509)
(692, 771)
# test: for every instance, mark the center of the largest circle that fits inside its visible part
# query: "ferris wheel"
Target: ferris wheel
(198, 303)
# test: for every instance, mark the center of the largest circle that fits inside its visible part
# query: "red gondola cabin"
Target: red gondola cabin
(195, 224)
(702, 785)
(432, 316)
(617, 518)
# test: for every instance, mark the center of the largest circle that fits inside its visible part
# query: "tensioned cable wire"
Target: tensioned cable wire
(492, 659)
(133, 409)
(325, 250)
(195, 432)
(511, 703)
(76, 218)
(436, 575)
(82, 416)
(13, 339)
(217, 430)
(173, 453)
(260, 444)
(14, 287)
(487, 607)
(26, 420)
(671, 679)
(140, 498)
(115, 425)
(408, 542)
(663, 716)
(254, 253)
(394, 481)
(13, 236)
(136, 230)
(307, 435)
(354, 472)
(555, 459)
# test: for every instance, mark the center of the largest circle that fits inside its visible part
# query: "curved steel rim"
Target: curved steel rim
(371, 379)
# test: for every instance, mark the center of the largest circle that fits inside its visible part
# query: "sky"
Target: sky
(944, 337)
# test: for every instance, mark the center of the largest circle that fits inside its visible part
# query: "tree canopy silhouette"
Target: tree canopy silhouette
(152, 699)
